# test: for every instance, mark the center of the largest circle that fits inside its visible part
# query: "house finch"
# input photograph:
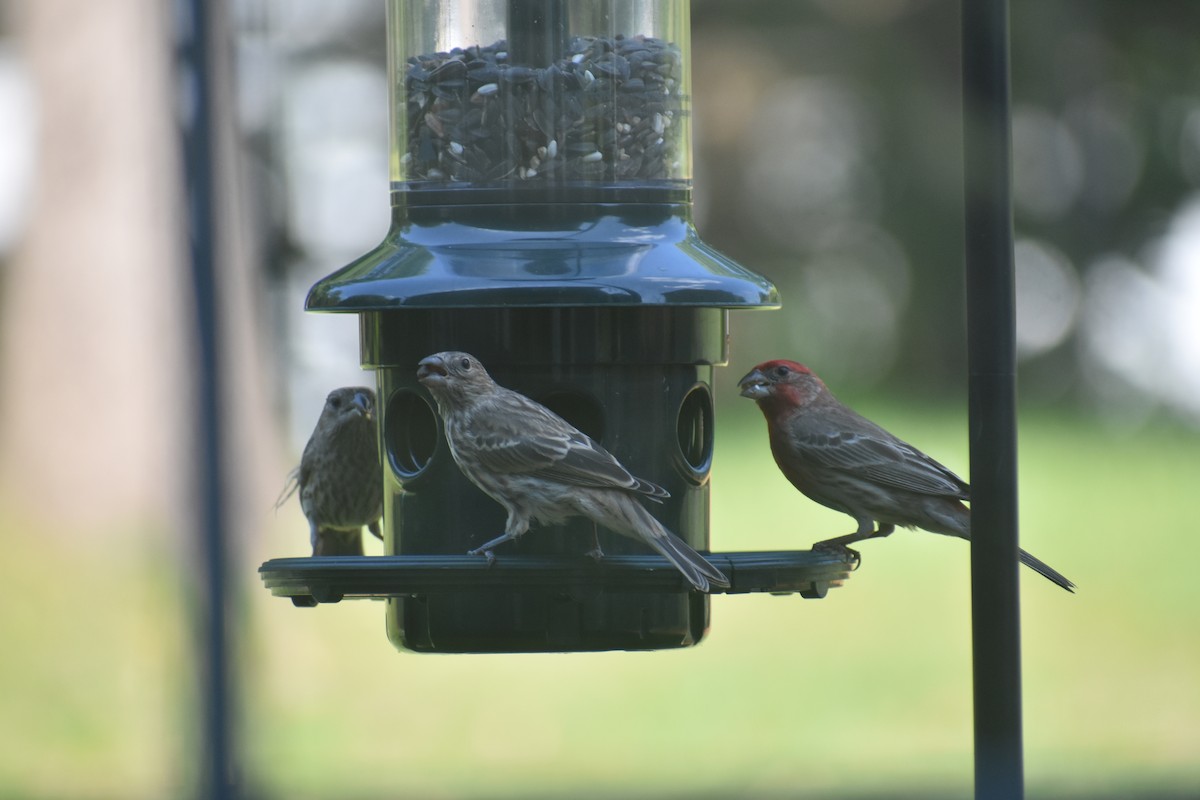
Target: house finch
(540, 468)
(850, 464)
(339, 477)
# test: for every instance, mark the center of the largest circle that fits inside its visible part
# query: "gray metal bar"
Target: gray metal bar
(995, 601)
(216, 769)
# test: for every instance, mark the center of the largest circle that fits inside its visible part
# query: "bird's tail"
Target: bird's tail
(694, 566)
(1045, 570)
(289, 488)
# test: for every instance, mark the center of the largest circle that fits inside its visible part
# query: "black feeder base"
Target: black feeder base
(555, 591)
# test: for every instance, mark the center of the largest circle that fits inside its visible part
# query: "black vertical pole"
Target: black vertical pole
(196, 47)
(995, 601)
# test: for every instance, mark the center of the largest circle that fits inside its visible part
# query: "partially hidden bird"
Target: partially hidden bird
(844, 461)
(339, 479)
(542, 469)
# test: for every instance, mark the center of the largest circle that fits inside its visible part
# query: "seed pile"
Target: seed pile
(610, 110)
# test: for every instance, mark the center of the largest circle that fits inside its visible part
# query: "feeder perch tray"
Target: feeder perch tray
(309, 581)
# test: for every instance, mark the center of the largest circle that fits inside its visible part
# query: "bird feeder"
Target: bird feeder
(541, 221)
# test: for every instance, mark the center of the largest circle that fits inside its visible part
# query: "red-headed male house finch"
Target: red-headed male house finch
(540, 468)
(339, 477)
(850, 464)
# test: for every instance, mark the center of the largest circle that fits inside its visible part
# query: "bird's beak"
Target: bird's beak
(755, 385)
(431, 370)
(363, 403)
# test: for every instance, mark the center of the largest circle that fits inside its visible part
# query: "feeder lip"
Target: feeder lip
(329, 579)
(541, 255)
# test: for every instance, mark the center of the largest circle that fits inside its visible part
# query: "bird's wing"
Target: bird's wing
(522, 436)
(882, 458)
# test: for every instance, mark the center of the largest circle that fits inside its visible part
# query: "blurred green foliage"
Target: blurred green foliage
(829, 158)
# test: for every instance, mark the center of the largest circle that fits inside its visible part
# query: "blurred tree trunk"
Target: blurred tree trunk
(97, 315)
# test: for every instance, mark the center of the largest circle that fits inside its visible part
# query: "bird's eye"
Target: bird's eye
(335, 402)
(782, 372)
(465, 364)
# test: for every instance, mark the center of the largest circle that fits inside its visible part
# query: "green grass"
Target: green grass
(866, 693)
(94, 648)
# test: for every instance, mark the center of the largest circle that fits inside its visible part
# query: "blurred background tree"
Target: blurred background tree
(830, 158)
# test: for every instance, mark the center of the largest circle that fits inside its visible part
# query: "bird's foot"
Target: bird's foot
(485, 552)
(836, 546)
(595, 553)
